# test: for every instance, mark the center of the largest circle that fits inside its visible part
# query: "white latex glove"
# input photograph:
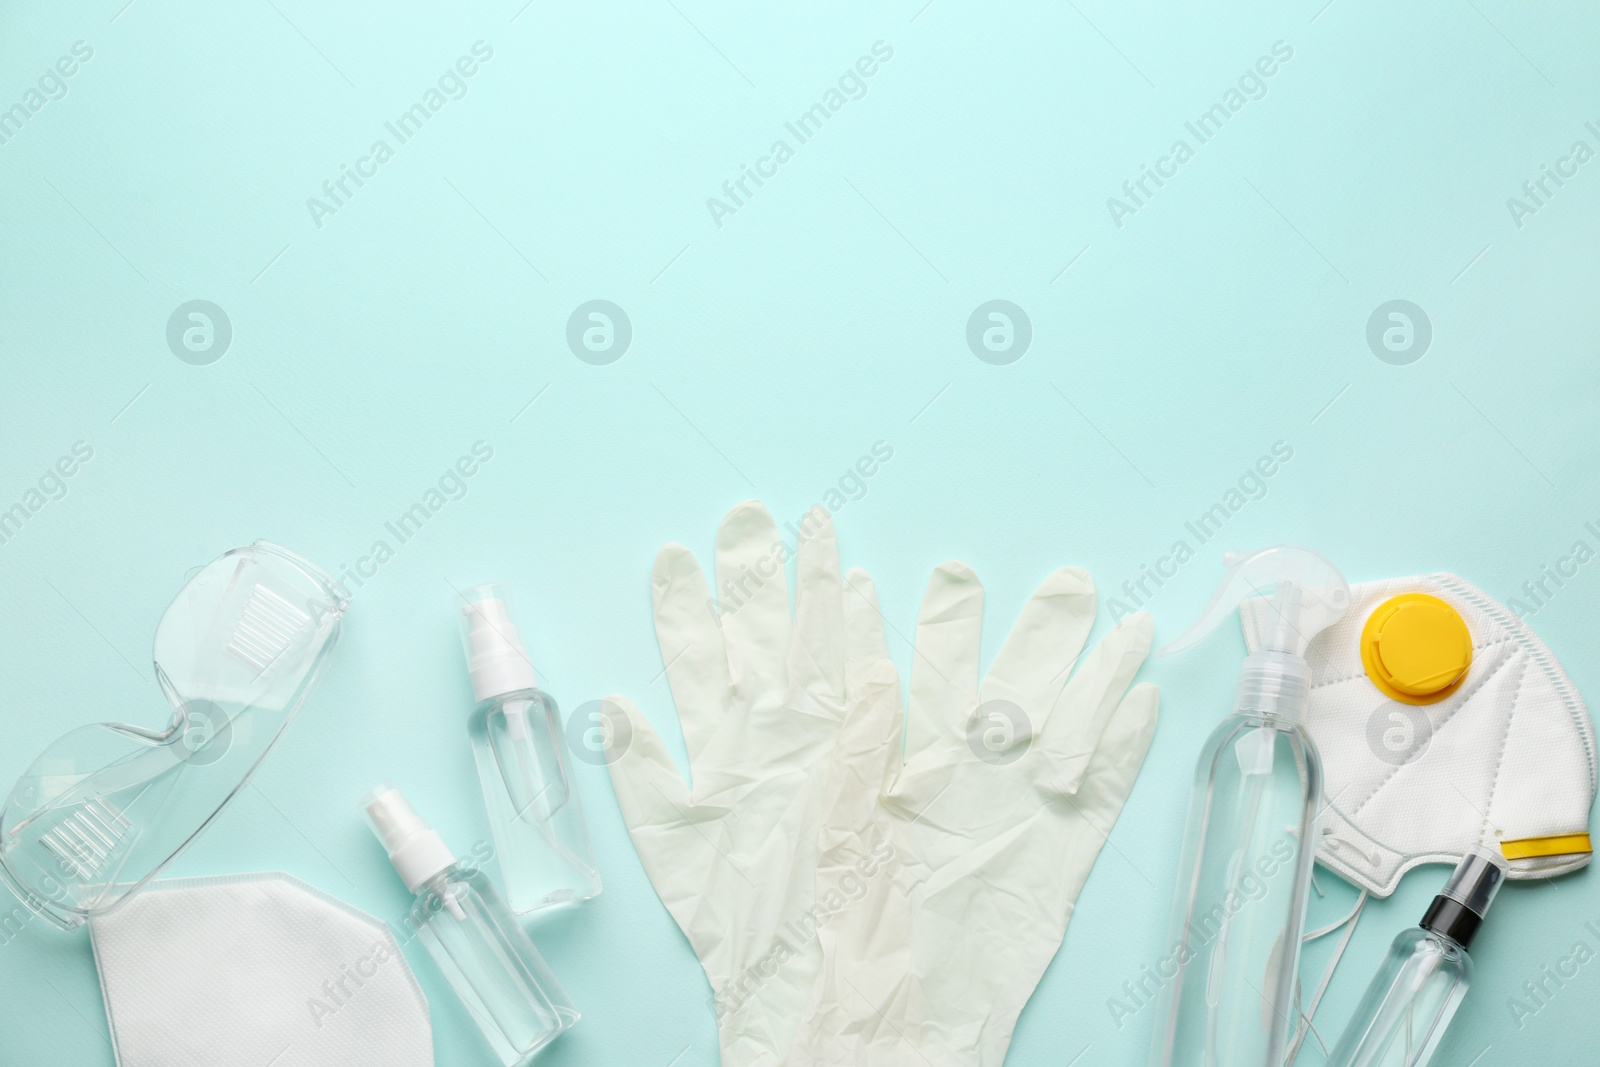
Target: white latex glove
(761, 702)
(955, 872)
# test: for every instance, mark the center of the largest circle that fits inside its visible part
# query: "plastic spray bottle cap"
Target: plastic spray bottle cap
(415, 848)
(1308, 594)
(1459, 908)
(495, 656)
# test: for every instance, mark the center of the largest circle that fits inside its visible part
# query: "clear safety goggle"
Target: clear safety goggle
(106, 807)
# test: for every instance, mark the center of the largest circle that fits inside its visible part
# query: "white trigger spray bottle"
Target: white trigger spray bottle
(1245, 870)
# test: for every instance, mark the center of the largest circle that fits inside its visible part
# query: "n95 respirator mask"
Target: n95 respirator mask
(1444, 723)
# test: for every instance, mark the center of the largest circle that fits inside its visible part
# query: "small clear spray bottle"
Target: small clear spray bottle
(471, 934)
(1404, 1012)
(535, 813)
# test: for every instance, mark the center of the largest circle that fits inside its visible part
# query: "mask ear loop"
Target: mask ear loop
(1306, 1026)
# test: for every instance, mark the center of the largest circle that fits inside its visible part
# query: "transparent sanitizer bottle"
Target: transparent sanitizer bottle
(471, 934)
(1245, 869)
(1403, 1014)
(535, 813)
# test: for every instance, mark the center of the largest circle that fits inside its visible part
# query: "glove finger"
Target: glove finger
(650, 791)
(691, 646)
(1079, 717)
(816, 655)
(865, 758)
(1043, 645)
(1116, 763)
(864, 639)
(1093, 812)
(676, 851)
(753, 592)
(648, 786)
(944, 673)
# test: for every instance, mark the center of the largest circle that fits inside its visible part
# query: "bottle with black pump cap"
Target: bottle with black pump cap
(1413, 997)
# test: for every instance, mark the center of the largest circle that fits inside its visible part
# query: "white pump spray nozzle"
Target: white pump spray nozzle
(415, 848)
(495, 656)
(1308, 594)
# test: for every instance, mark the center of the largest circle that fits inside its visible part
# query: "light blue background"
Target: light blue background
(769, 354)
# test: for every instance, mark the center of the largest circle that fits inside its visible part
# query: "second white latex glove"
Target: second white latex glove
(968, 854)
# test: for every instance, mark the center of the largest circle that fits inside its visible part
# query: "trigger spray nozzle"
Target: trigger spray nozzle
(1305, 594)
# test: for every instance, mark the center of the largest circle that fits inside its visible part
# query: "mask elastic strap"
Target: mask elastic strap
(1306, 1017)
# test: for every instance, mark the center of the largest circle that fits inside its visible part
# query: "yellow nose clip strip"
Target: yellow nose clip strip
(1535, 847)
(1416, 649)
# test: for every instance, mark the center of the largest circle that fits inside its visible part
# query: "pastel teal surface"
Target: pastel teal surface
(1394, 153)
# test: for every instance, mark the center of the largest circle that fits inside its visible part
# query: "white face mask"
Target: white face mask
(1503, 755)
(252, 970)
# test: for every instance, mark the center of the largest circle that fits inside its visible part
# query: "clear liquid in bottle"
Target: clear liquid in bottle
(1244, 874)
(535, 812)
(472, 935)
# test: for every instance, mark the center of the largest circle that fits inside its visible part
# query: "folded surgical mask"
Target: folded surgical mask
(254, 970)
(107, 806)
(1444, 723)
